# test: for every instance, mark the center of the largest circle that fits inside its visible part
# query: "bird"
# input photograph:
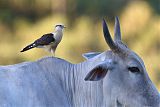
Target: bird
(49, 41)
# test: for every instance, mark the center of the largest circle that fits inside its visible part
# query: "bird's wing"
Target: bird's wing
(46, 39)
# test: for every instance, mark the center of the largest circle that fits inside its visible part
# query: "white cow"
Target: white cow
(115, 78)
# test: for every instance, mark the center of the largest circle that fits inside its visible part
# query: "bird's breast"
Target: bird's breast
(58, 37)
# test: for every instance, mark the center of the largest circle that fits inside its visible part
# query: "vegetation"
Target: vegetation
(23, 21)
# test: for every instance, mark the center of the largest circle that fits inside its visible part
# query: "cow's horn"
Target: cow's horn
(117, 30)
(107, 36)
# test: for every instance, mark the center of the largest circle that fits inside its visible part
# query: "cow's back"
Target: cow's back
(33, 84)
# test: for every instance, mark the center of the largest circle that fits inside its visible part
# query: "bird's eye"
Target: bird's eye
(134, 69)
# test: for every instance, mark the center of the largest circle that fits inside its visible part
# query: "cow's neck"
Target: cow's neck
(87, 93)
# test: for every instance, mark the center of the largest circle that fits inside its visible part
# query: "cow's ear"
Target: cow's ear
(99, 72)
(90, 55)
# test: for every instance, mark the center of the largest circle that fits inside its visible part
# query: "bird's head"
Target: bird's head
(59, 27)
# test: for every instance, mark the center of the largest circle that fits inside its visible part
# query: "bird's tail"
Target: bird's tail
(33, 45)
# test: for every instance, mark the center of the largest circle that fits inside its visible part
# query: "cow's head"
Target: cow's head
(125, 78)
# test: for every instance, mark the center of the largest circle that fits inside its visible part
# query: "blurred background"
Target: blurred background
(23, 21)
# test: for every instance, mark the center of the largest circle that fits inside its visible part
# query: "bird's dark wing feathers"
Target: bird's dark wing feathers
(46, 39)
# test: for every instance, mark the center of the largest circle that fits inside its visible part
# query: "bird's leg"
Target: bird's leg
(53, 52)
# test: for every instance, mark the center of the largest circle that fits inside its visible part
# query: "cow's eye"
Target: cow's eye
(134, 69)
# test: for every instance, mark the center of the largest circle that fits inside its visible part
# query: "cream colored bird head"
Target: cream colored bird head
(59, 27)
